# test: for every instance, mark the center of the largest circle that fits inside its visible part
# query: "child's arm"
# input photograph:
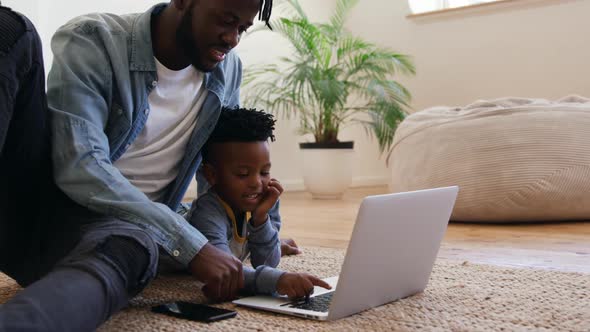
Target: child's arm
(262, 280)
(209, 217)
(263, 241)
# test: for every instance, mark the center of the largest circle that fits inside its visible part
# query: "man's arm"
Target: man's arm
(80, 96)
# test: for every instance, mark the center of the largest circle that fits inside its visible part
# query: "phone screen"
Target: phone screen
(194, 311)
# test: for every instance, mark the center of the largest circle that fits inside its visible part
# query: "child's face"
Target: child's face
(239, 172)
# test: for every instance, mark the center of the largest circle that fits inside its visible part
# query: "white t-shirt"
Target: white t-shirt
(151, 163)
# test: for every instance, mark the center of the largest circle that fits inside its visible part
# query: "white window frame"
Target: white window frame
(442, 6)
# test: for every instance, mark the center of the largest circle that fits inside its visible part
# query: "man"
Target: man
(132, 100)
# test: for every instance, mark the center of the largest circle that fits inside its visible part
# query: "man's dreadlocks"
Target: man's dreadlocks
(265, 11)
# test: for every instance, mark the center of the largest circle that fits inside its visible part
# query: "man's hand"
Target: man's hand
(296, 285)
(270, 198)
(289, 247)
(220, 272)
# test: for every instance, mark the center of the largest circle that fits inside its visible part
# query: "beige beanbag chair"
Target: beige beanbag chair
(515, 160)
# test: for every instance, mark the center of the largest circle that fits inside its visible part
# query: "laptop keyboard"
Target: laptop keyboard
(319, 303)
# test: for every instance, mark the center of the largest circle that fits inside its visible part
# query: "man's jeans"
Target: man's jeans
(78, 267)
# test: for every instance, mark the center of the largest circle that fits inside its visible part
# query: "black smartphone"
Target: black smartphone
(194, 311)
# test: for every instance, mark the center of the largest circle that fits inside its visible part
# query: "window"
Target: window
(423, 6)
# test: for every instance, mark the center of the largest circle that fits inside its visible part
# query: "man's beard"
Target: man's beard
(186, 41)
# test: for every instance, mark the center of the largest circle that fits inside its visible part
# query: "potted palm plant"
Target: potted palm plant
(332, 79)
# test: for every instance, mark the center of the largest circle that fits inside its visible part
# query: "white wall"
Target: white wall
(368, 169)
(525, 48)
(49, 15)
(531, 48)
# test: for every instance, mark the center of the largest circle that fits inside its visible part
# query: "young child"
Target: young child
(234, 213)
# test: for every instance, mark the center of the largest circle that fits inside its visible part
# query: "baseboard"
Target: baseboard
(357, 182)
(369, 181)
(295, 185)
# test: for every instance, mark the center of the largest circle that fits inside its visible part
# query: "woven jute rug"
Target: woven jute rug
(460, 297)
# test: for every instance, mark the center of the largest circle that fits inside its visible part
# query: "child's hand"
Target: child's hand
(296, 285)
(271, 196)
(289, 247)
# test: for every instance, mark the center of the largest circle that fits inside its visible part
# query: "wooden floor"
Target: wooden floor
(560, 246)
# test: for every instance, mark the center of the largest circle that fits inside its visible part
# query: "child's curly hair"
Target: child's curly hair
(241, 125)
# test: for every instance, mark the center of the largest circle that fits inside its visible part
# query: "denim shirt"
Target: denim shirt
(98, 87)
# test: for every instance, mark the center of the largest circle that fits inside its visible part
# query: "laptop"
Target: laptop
(390, 256)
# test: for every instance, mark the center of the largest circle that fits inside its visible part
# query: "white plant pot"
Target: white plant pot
(327, 172)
